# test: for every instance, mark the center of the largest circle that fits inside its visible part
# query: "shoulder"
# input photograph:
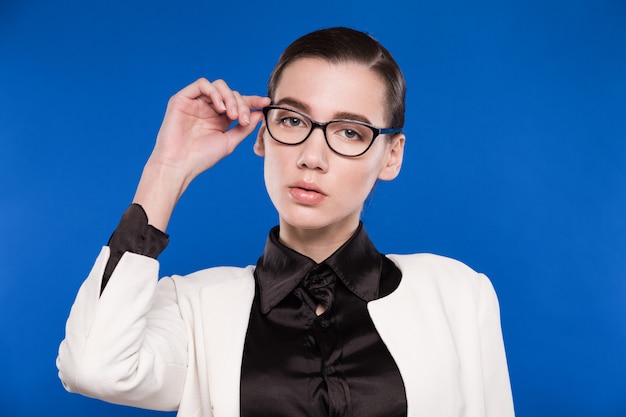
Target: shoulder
(431, 263)
(212, 277)
(435, 271)
(439, 283)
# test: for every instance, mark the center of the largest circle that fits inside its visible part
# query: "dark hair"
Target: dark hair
(340, 45)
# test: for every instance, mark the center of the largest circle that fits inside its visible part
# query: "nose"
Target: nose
(314, 151)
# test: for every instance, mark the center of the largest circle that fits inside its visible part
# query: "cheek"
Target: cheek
(359, 181)
(269, 173)
(273, 171)
(273, 161)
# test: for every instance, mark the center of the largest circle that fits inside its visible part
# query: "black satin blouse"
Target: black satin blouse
(296, 363)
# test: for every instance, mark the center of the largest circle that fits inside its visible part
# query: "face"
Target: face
(311, 187)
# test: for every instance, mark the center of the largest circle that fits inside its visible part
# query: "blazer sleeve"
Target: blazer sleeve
(497, 388)
(129, 345)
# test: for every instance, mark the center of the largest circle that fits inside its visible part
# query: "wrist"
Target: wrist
(158, 191)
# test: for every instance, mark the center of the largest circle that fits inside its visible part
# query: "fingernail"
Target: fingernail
(246, 118)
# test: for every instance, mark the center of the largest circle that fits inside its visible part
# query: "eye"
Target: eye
(350, 134)
(287, 119)
(291, 121)
(348, 131)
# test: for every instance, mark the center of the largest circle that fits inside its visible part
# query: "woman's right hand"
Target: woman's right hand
(193, 137)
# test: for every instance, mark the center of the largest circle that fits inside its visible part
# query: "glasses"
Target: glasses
(350, 138)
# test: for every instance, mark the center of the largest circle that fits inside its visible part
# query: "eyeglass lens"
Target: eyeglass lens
(348, 138)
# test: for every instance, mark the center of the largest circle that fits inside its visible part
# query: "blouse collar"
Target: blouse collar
(356, 263)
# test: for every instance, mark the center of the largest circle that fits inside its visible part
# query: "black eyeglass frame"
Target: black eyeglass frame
(314, 124)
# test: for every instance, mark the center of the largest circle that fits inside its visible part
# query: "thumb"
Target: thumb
(239, 132)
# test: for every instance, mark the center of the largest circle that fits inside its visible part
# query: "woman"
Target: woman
(323, 324)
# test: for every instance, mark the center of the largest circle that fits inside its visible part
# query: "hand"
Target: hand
(194, 136)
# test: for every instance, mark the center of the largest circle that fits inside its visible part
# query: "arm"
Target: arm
(129, 345)
(192, 139)
(497, 387)
(134, 235)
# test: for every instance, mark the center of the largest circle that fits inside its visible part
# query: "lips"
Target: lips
(306, 193)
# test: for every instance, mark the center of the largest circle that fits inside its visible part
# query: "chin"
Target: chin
(319, 217)
(310, 221)
(304, 223)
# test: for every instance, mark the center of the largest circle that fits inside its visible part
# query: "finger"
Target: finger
(214, 93)
(248, 104)
(200, 87)
(222, 98)
(230, 98)
(257, 102)
(243, 109)
(239, 132)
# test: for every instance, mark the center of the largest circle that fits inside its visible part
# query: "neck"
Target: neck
(317, 244)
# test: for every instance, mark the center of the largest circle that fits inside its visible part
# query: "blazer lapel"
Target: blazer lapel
(414, 328)
(226, 312)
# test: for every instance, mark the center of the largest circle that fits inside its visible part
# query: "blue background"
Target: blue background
(515, 164)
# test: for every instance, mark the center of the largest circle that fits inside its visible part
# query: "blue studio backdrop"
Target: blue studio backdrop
(515, 164)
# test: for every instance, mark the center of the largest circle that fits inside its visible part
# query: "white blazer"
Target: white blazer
(177, 343)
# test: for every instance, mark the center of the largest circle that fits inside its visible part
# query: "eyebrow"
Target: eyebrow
(342, 115)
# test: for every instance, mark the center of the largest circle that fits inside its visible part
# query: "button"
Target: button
(325, 324)
(329, 370)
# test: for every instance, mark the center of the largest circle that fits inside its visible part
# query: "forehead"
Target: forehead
(327, 89)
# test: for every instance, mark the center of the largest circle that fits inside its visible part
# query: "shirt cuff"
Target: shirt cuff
(134, 234)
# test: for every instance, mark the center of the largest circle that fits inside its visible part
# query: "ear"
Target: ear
(259, 143)
(395, 153)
